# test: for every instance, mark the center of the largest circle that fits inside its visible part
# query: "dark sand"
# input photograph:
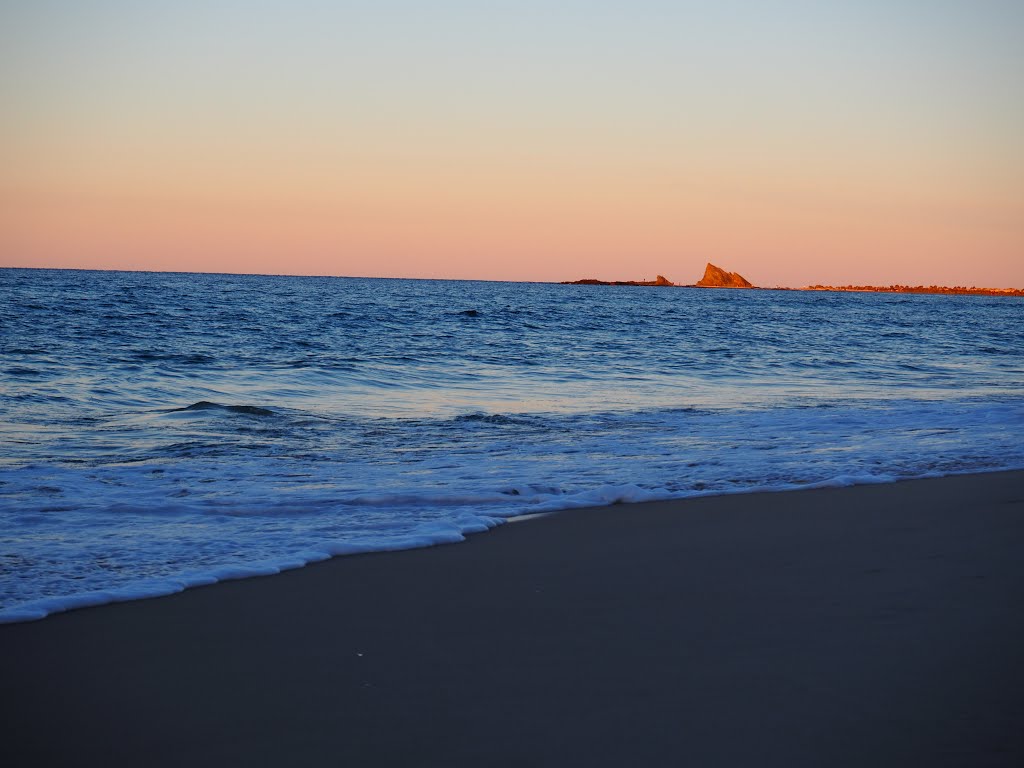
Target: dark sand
(868, 626)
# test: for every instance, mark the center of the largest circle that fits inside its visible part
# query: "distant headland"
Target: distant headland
(659, 281)
(716, 277)
(957, 290)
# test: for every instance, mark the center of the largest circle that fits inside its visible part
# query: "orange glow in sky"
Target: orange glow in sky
(871, 143)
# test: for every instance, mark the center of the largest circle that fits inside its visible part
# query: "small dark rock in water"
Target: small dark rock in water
(206, 405)
(470, 313)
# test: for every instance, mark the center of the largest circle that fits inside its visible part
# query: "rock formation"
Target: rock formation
(716, 277)
(660, 280)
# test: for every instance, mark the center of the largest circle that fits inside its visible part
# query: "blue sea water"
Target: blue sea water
(161, 431)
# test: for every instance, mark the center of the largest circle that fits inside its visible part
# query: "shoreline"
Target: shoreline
(870, 624)
(44, 608)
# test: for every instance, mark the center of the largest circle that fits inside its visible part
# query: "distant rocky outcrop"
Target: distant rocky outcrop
(660, 280)
(716, 277)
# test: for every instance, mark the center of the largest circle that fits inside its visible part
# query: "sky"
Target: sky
(869, 142)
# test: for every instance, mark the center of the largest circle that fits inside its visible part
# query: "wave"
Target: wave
(497, 418)
(206, 405)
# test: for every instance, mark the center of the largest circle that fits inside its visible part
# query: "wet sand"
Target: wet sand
(877, 625)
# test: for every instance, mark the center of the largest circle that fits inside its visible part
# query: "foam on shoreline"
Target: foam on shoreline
(429, 535)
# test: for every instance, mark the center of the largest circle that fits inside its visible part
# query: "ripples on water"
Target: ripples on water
(162, 430)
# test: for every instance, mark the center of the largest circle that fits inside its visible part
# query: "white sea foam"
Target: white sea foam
(257, 519)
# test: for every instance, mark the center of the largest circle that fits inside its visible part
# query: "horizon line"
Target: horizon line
(810, 286)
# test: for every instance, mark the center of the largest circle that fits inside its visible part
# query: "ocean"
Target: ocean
(161, 431)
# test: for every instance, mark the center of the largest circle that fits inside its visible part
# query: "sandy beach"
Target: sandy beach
(876, 625)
